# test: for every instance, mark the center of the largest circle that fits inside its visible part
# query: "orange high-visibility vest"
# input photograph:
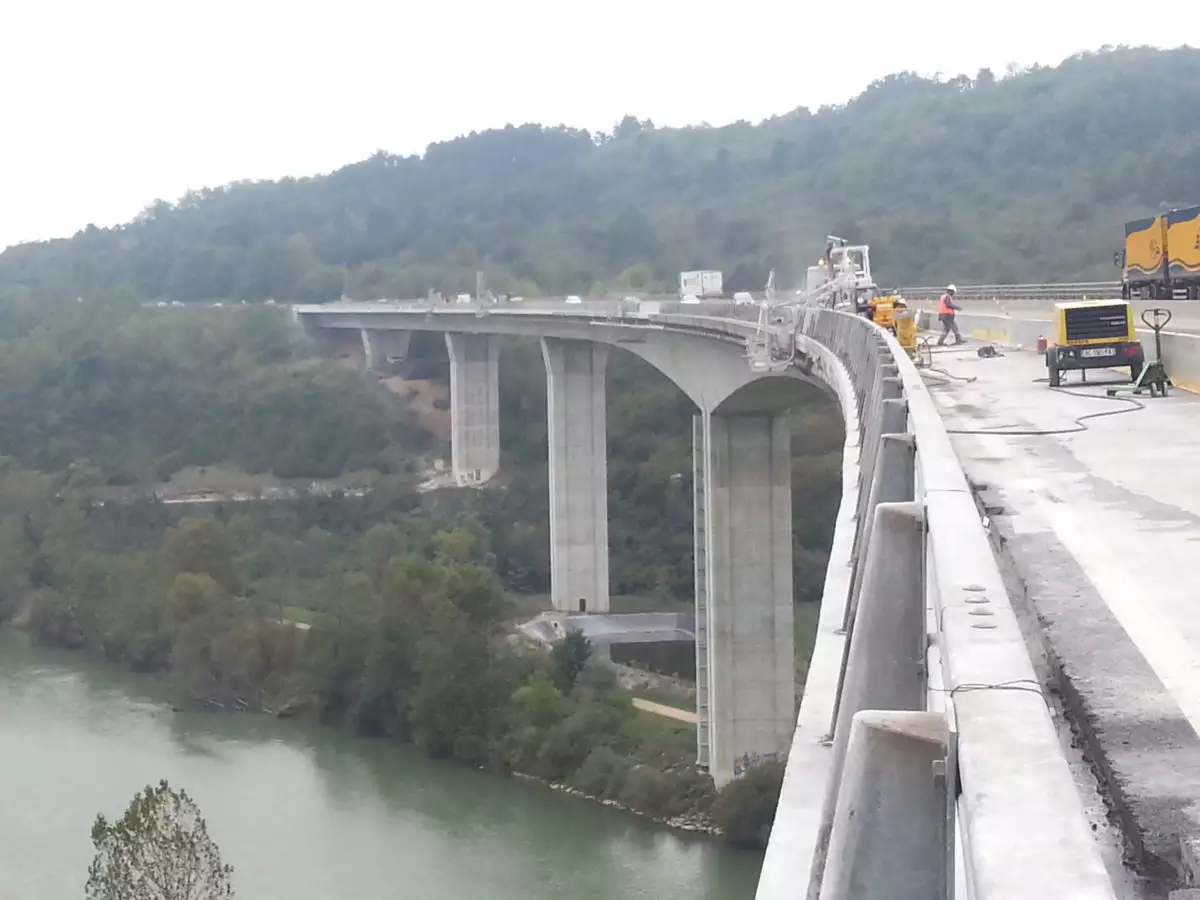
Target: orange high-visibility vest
(944, 308)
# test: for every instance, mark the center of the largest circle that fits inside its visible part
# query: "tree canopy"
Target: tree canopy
(159, 850)
(1023, 177)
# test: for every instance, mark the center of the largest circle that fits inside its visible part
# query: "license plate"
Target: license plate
(1098, 351)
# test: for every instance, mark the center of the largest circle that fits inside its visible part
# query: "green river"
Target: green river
(303, 812)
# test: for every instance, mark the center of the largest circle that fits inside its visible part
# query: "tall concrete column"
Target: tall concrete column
(382, 346)
(700, 562)
(474, 406)
(746, 585)
(576, 426)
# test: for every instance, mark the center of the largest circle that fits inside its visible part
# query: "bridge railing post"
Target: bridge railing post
(885, 651)
(889, 830)
(891, 481)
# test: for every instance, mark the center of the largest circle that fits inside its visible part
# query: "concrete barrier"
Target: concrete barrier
(889, 830)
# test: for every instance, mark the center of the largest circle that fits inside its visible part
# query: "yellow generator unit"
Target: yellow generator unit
(1094, 334)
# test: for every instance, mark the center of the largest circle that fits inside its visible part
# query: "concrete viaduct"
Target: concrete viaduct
(925, 759)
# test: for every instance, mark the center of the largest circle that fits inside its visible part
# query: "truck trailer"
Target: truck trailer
(1161, 256)
(1183, 250)
(704, 285)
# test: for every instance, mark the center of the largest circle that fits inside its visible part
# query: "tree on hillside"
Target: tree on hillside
(569, 658)
(159, 850)
(203, 547)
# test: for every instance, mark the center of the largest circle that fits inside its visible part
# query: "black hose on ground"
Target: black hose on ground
(1079, 422)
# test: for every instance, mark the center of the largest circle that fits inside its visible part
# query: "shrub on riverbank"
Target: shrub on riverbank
(412, 646)
(745, 808)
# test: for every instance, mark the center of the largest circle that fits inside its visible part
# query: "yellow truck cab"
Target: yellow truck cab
(1143, 259)
(1094, 334)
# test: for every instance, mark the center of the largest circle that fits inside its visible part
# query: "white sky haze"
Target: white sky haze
(106, 105)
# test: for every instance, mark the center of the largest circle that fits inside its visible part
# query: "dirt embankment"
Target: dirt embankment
(429, 401)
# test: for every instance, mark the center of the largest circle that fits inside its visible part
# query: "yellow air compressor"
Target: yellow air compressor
(1094, 334)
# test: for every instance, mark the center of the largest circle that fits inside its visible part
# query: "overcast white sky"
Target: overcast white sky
(106, 105)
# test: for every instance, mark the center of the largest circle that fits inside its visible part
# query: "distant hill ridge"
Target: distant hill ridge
(1022, 178)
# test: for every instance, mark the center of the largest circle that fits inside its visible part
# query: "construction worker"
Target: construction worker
(906, 326)
(947, 308)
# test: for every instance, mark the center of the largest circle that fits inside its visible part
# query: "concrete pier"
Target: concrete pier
(745, 572)
(577, 437)
(700, 562)
(474, 406)
(383, 346)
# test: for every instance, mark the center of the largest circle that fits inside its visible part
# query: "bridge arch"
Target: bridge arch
(724, 372)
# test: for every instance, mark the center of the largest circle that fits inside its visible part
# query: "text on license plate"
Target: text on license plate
(1098, 351)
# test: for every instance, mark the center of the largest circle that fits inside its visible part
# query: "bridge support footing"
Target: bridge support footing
(474, 406)
(577, 437)
(745, 570)
(890, 831)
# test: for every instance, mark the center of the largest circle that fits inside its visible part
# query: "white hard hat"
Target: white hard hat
(951, 288)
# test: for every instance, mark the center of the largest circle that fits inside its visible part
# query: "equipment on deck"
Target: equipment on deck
(1094, 334)
(842, 281)
(848, 283)
(1154, 374)
(924, 353)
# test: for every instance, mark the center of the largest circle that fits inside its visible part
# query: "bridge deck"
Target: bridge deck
(1101, 529)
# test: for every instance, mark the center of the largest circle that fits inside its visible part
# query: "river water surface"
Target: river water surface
(307, 813)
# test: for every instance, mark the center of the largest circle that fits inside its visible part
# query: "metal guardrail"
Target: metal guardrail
(1095, 290)
(1090, 290)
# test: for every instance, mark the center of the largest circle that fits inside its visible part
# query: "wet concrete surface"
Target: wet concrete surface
(1101, 529)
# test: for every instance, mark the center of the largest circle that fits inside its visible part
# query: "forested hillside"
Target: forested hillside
(1024, 177)
(114, 394)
